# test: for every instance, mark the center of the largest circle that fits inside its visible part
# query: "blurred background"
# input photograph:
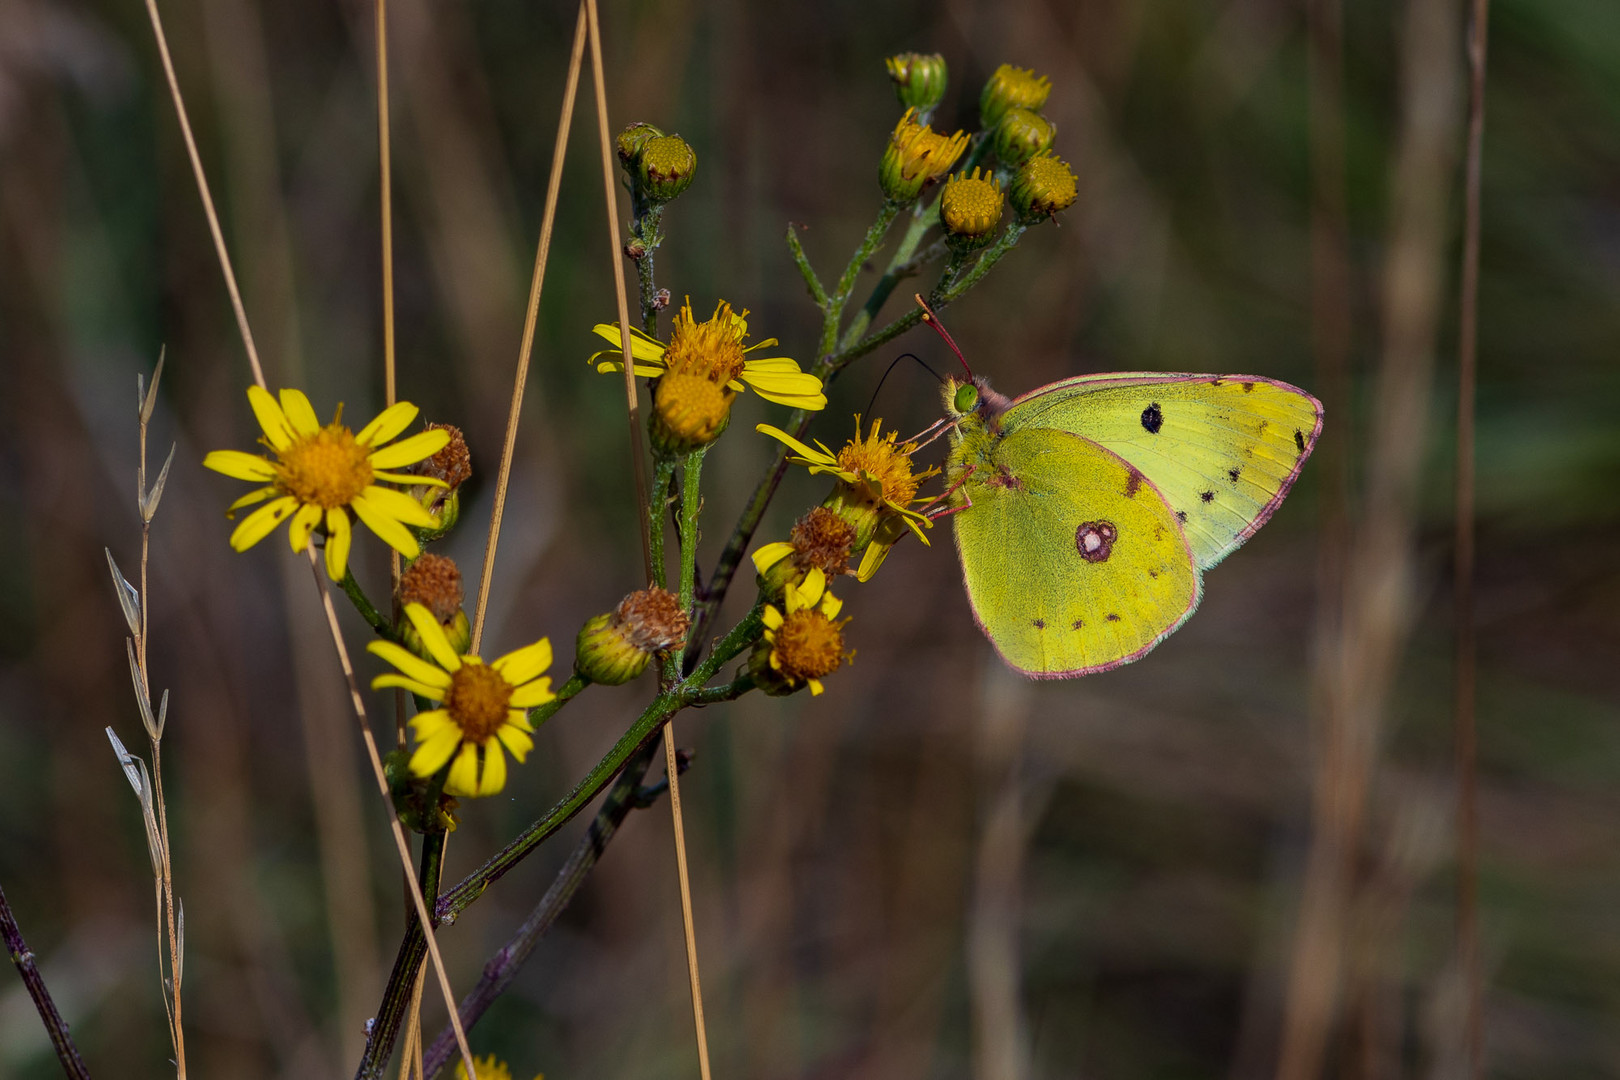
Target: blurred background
(1233, 859)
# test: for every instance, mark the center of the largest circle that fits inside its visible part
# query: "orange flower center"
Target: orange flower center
(477, 701)
(694, 408)
(326, 469)
(808, 645)
(878, 456)
(712, 349)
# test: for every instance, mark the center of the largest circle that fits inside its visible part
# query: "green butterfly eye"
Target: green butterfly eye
(967, 398)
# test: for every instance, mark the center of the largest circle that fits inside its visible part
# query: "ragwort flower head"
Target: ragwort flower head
(803, 641)
(876, 487)
(916, 156)
(1011, 88)
(483, 707)
(820, 540)
(488, 1067)
(321, 474)
(616, 647)
(713, 351)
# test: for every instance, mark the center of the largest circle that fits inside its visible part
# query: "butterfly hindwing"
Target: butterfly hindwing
(1223, 449)
(1073, 561)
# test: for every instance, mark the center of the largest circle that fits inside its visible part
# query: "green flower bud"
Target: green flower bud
(666, 166)
(1021, 135)
(631, 140)
(1011, 88)
(919, 80)
(614, 648)
(1043, 187)
(970, 209)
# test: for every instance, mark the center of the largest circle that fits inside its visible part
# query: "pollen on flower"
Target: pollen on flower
(822, 539)
(808, 646)
(433, 581)
(328, 469)
(477, 700)
(712, 348)
(883, 458)
(971, 205)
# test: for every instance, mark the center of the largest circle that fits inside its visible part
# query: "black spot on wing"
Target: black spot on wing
(1153, 418)
(1079, 624)
(1181, 515)
(1299, 440)
(1040, 624)
(1233, 473)
(1113, 618)
(1248, 388)
(1207, 496)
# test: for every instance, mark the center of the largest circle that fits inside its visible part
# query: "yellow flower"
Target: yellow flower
(714, 349)
(970, 206)
(483, 706)
(802, 645)
(916, 156)
(1011, 88)
(322, 473)
(1043, 186)
(877, 487)
(488, 1067)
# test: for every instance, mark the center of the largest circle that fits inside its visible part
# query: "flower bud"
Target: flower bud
(970, 208)
(1021, 135)
(919, 80)
(1043, 186)
(1011, 88)
(614, 648)
(665, 167)
(916, 155)
(631, 140)
(452, 466)
(689, 410)
(434, 581)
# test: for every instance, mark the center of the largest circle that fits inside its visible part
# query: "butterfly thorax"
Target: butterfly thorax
(975, 432)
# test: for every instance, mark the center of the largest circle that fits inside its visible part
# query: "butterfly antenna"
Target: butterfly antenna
(939, 328)
(891, 367)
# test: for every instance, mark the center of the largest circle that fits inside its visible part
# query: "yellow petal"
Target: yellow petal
(408, 479)
(259, 524)
(408, 662)
(338, 538)
(831, 606)
(424, 444)
(771, 617)
(810, 402)
(431, 754)
(256, 496)
(794, 444)
(437, 645)
(299, 413)
(532, 694)
(390, 422)
(815, 687)
(642, 347)
(271, 418)
(383, 682)
(240, 466)
(875, 554)
(515, 740)
(494, 777)
(430, 723)
(390, 531)
(771, 554)
(523, 664)
(643, 367)
(399, 506)
(308, 516)
(775, 365)
(463, 778)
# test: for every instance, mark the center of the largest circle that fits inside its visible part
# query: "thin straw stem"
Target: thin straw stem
(542, 252)
(207, 199)
(393, 819)
(1466, 735)
(22, 956)
(637, 455)
(385, 158)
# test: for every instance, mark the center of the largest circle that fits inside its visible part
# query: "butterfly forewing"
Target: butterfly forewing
(1223, 449)
(1074, 562)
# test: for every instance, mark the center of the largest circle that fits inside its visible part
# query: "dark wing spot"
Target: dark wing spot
(1153, 574)
(1094, 540)
(1299, 440)
(1207, 496)
(1133, 484)
(1216, 382)
(1078, 624)
(1248, 388)
(1232, 474)
(1153, 418)
(1113, 618)
(1040, 624)
(1181, 515)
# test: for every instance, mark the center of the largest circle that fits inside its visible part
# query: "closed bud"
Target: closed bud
(1021, 135)
(1011, 88)
(970, 208)
(614, 648)
(689, 410)
(1043, 187)
(631, 140)
(919, 80)
(916, 156)
(666, 167)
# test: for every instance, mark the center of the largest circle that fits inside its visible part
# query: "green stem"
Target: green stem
(846, 283)
(733, 690)
(541, 713)
(901, 266)
(645, 230)
(357, 597)
(658, 499)
(691, 503)
(811, 281)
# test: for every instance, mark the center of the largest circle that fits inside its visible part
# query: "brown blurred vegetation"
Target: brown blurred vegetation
(936, 869)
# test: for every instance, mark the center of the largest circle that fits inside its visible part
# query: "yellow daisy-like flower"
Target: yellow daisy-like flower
(322, 473)
(803, 644)
(484, 707)
(877, 487)
(714, 349)
(488, 1067)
